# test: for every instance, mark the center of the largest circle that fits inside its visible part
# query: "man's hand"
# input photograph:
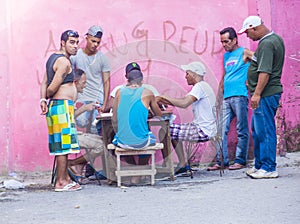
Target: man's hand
(163, 100)
(102, 109)
(44, 107)
(255, 101)
(90, 107)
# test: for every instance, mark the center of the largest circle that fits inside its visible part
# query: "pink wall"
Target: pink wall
(161, 35)
(287, 24)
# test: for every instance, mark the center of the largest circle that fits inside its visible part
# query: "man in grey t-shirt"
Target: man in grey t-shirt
(97, 69)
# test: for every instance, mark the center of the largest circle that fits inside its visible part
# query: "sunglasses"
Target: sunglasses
(72, 33)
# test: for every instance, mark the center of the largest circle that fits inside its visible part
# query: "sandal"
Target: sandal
(214, 167)
(236, 166)
(78, 179)
(69, 187)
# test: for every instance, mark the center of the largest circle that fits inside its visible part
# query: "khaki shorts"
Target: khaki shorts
(91, 141)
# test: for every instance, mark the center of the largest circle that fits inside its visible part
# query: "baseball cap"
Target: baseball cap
(132, 66)
(250, 22)
(95, 31)
(135, 75)
(196, 67)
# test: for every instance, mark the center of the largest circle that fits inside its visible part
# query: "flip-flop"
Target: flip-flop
(214, 167)
(68, 187)
(236, 166)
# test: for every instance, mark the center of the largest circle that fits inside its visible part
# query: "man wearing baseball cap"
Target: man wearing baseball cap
(202, 98)
(97, 69)
(265, 87)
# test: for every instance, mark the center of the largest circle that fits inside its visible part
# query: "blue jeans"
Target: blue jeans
(236, 106)
(86, 118)
(264, 133)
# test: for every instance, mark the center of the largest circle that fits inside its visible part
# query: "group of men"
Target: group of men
(244, 70)
(262, 79)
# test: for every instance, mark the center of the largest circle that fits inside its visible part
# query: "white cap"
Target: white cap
(196, 67)
(95, 31)
(250, 22)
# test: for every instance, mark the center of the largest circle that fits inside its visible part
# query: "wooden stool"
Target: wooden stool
(136, 170)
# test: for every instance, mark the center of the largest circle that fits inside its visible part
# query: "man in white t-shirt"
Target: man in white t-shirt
(202, 98)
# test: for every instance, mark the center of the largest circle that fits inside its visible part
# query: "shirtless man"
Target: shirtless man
(58, 86)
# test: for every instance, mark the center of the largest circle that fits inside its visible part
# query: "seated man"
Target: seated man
(130, 115)
(86, 140)
(202, 99)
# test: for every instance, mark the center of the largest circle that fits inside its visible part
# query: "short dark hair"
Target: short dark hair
(77, 74)
(231, 31)
(135, 76)
(68, 33)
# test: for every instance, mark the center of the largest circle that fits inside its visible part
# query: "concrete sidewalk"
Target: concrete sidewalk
(208, 198)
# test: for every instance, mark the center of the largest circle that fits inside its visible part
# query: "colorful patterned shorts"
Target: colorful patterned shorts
(187, 132)
(61, 127)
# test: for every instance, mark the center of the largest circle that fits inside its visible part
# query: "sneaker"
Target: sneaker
(259, 174)
(250, 171)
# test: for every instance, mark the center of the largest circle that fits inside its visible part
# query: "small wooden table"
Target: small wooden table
(110, 160)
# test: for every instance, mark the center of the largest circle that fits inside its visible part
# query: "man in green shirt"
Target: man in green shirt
(265, 87)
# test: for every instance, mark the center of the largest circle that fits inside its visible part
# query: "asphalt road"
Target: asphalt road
(208, 198)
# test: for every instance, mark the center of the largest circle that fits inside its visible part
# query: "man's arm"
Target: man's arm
(106, 81)
(43, 93)
(247, 56)
(263, 79)
(154, 106)
(110, 102)
(84, 108)
(221, 85)
(115, 110)
(62, 67)
(178, 102)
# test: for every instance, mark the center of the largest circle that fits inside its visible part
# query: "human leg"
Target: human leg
(240, 108)
(224, 121)
(91, 142)
(62, 140)
(254, 124)
(228, 115)
(76, 165)
(163, 138)
(177, 145)
(62, 178)
(266, 131)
